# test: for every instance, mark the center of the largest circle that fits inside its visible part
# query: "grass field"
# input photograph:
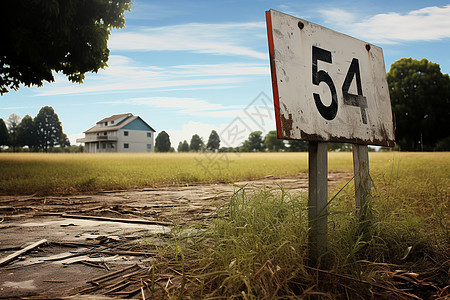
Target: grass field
(28, 173)
(257, 247)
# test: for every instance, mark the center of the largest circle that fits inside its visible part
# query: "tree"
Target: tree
(64, 141)
(4, 136)
(48, 128)
(298, 146)
(254, 143)
(420, 96)
(162, 142)
(180, 144)
(272, 143)
(183, 146)
(27, 133)
(213, 142)
(196, 143)
(13, 126)
(68, 36)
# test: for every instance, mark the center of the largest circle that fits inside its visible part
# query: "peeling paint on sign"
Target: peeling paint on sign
(286, 125)
(327, 86)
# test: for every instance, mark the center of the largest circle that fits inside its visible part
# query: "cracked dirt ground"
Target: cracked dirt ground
(94, 235)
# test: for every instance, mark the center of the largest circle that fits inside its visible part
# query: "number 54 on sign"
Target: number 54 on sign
(327, 86)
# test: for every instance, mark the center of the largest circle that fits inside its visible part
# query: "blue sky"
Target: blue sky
(189, 67)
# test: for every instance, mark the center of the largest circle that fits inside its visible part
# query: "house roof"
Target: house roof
(113, 118)
(119, 125)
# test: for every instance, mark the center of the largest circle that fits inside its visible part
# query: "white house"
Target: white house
(119, 133)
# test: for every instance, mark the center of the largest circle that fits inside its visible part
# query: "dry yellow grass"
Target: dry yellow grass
(27, 173)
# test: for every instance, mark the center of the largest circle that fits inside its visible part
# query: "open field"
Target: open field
(71, 173)
(47, 174)
(219, 241)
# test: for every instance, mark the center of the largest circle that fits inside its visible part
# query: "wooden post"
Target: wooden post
(318, 197)
(361, 171)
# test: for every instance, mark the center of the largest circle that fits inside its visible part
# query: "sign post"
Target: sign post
(328, 87)
(317, 198)
(361, 172)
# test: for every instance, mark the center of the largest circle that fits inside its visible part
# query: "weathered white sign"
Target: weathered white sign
(327, 86)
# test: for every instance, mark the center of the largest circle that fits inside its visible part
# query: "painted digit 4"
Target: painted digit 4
(330, 112)
(351, 99)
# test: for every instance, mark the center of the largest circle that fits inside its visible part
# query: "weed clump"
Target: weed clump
(257, 248)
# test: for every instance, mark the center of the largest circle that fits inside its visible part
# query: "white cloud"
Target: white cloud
(338, 16)
(231, 69)
(429, 23)
(220, 39)
(126, 85)
(186, 106)
(124, 74)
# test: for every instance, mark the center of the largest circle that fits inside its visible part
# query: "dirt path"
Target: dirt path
(94, 235)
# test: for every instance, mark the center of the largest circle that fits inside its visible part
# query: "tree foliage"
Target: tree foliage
(48, 128)
(183, 146)
(213, 141)
(162, 142)
(13, 127)
(196, 143)
(27, 133)
(272, 143)
(420, 96)
(68, 36)
(297, 146)
(254, 143)
(4, 136)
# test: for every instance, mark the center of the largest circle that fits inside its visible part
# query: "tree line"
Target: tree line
(256, 142)
(42, 133)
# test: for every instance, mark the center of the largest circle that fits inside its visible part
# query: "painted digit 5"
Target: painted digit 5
(328, 112)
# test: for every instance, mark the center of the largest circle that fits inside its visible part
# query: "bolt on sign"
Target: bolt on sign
(327, 86)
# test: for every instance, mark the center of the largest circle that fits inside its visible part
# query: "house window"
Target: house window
(106, 123)
(111, 145)
(104, 146)
(112, 122)
(125, 133)
(149, 134)
(149, 146)
(105, 133)
(126, 146)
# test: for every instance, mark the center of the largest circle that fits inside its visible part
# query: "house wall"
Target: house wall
(100, 147)
(90, 147)
(137, 141)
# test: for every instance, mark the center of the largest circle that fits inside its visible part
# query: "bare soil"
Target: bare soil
(89, 237)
